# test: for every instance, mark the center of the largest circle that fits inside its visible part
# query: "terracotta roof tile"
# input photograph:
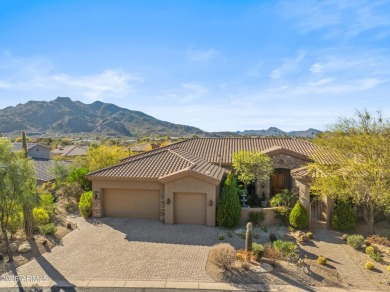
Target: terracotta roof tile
(158, 164)
(219, 150)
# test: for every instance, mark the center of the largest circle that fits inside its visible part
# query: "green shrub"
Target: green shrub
(221, 237)
(78, 176)
(343, 217)
(369, 266)
(15, 222)
(229, 209)
(321, 260)
(370, 249)
(85, 204)
(46, 201)
(376, 256)
(282, 213)
(258, 251)
(287, 249)
(286, 199)
(356, 241)
(49, 228)
(256, 217)
(40, 216)
(299, 218)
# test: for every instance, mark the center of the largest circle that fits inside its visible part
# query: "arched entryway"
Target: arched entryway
(281, 180)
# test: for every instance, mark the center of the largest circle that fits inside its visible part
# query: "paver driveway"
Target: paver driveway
(127, 249)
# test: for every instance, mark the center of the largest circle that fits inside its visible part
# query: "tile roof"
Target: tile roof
(17, 146)
(219, 150)
(161, 164)
(302, 172)
(42, 169)
(71, 151)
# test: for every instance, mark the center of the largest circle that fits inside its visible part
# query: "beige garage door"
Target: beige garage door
(131, 203)
(190, 208)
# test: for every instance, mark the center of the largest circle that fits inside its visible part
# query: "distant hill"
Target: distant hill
(63, 116)
(272, 131)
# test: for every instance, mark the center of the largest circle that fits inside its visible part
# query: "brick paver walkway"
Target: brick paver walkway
(328, 244)
(127, 249)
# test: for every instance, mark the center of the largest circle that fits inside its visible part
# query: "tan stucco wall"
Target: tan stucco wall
(268, 220)
(99, 185)
(190, 184)
(39, 152)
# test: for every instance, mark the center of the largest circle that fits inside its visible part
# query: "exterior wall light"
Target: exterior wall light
(168, 201)
(211, 203)
(95, 194)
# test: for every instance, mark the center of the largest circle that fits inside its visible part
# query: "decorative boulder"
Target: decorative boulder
(239, 231)
(345, 237)
(267, 267)
(303, 238)
(24, 247)
(14, 247)
(272, 237)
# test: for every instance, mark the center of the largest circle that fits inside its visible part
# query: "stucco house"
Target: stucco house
(181, 183)
(40, 155)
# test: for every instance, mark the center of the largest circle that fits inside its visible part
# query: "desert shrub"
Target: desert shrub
(70, 191)
(271, 253)
(356, 241)
(222, 255)
(321, 260)
(376, 256)
(299, 218)
(286, 198)
(343, 217)
(370, 249)
(282, 213)
(287, 249)
(49, 228)
(310, 235)
(15, 222)
(85, 204)
(256, 217)
(229, 209)
(40, 216)
(378, 239)
(78, 176)
(46, 201)
(221, 237)
(367, 242)
(258, 251)
(240, 256)
(369, 266)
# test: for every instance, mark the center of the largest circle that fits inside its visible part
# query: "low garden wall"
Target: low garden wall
(269, 216)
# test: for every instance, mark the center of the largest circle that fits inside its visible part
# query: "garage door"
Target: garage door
(190, 208)
(131, 203)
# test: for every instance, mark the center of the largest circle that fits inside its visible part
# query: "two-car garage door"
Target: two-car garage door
(144, 204)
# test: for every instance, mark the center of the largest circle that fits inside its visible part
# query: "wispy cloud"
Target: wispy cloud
(38, 74)
(185, 93)
(201, 55)
(287, 66)
(338, 18)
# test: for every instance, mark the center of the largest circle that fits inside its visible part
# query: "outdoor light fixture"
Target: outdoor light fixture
(211, 203)
(95, 195)
(168, 201)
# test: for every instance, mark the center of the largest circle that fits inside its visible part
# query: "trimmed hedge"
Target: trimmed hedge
(343, 217)
(299, 218)
(85, 204)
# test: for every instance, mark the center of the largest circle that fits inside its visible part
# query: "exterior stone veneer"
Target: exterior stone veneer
(97, 204)
(162, 207)
(279, 161)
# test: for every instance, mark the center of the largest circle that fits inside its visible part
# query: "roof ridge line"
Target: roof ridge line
(193, 164)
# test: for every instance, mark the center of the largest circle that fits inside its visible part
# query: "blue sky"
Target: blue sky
(216, 65)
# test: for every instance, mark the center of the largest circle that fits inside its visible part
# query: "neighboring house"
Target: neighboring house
(181, 183)
(35, 151)
(70, 151)
(144, 147)
(41, 157)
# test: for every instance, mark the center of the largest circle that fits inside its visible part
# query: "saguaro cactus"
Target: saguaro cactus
(248, 237)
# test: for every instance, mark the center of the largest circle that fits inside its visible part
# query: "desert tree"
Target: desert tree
(356, 165)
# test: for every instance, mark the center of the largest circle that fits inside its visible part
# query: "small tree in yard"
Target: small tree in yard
(299, 218)
(229, 209)
(359, 168)
(251, 165)
(85, 204)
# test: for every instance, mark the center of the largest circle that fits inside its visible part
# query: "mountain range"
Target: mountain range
(63, 116)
